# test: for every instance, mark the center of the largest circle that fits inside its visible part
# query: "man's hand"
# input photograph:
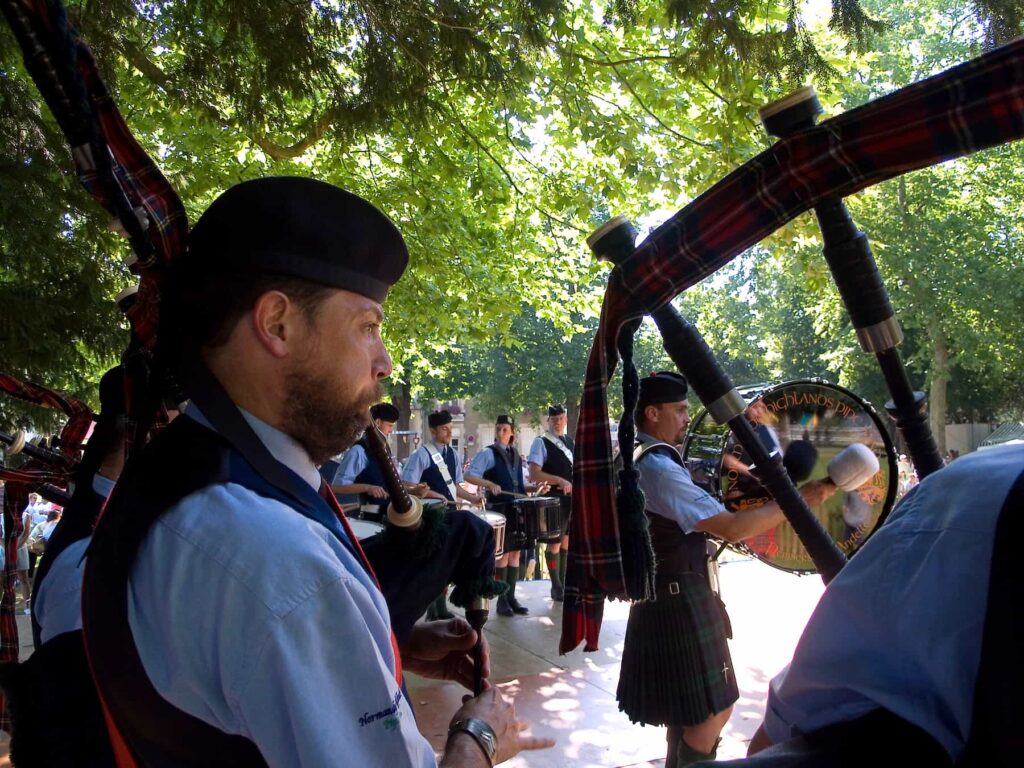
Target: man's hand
(817, 492)
(499, 712)
(375, 491)
(566, 486)
(494, 488)
(434, 495)
(420, 490)
(443, 650)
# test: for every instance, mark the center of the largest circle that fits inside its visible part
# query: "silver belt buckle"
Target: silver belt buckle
(673, 587)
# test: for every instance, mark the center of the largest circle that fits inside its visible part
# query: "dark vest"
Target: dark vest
(154, 732)
(676, 552)
(506, 472)
(555, 462)
(432, 475)
(372, 474)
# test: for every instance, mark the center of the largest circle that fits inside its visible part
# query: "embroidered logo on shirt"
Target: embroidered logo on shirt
(390, 716)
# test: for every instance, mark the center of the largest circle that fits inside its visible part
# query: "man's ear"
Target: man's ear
(651, 413)
(273, 322)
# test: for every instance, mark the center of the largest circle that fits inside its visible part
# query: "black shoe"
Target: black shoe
(557, 594)
(517, 607)
(504, 609)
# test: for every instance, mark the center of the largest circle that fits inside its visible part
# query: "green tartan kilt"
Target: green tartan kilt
(676, 668)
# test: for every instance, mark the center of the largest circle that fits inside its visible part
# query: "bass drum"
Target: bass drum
(797, 413)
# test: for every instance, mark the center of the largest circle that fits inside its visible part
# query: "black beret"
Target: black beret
(504, 420)
(301, 228)
(439, 419)
(556, 410)
(661, 387)
(384, 412)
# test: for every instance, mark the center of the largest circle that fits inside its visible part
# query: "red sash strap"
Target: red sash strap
(332, 501)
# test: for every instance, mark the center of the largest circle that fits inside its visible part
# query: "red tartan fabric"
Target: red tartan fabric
(973, 106)
(18, 484)
(138, 176)
(145, 187)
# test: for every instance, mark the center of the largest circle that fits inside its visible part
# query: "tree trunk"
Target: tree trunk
(572, 415)
(402, 400)
(937, 404)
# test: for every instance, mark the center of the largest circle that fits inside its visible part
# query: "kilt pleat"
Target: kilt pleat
(676, 668)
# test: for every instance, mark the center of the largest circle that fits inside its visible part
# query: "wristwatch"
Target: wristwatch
(481, 732)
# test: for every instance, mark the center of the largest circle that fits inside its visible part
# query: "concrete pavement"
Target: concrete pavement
(572, 697)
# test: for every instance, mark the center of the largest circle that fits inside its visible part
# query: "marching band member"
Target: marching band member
(550, 462)
(229, 613)
(497, 469)
(676, 668)
(436, 464)
(359, 473)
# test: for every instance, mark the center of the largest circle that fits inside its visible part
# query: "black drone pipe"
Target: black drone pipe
(695, 360)
(18, 444)
(863, 292)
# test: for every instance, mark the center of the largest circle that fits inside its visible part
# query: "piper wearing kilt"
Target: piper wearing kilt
(676, 668)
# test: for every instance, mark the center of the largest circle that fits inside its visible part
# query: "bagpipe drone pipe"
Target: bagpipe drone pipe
(973, 106)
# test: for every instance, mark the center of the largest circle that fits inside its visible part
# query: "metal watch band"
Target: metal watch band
(482, 734)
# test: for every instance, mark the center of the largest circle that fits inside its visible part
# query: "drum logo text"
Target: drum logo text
(792, 399)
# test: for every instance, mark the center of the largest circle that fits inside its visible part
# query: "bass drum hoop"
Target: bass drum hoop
(751, 394)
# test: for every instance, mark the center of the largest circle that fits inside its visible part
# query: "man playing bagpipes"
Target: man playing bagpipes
(230, 615)
(676, 667)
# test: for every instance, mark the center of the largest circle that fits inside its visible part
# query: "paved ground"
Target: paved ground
(572, 697)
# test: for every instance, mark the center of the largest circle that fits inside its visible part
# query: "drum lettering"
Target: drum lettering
(830, 417)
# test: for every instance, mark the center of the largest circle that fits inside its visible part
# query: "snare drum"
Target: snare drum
(497, 522)
(531, 520)
(829, 417)
(364, 529)
(546, 511)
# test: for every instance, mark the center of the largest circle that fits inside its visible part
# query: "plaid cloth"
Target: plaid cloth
(18, 484)
(676, 667)
(973, 106)
(114, 168)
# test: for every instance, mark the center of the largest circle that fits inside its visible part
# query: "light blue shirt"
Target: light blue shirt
(671, 493)
(901, 626)
(538, 451)
(258, 621)
(482, 462)
(352, 463)
(58, 603)
(420, 461)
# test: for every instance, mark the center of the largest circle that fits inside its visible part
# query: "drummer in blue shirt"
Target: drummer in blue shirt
(359, 474)
(436, 464)
(498, 470)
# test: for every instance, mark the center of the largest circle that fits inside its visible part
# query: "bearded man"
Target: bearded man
(230, 615)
